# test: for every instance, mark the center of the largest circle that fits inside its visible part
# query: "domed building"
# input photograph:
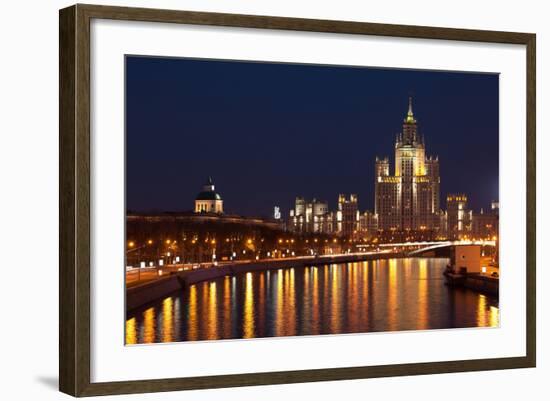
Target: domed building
(208, 200)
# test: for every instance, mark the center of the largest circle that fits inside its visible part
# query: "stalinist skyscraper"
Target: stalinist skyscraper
(408, 200)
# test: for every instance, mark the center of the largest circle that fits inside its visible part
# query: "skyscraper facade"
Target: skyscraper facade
(348, 215)
(409, 199)
(459, 217)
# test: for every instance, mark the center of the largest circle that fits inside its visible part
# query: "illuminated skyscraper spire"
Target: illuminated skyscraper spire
(410, 116)
(408, 199)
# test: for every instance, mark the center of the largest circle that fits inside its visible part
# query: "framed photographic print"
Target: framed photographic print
(250, 200)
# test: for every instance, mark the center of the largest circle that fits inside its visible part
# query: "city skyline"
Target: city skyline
(256, 169)
(379, 175)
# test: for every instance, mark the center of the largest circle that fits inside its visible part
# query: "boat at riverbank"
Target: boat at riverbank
(469, 267)
(477, 282)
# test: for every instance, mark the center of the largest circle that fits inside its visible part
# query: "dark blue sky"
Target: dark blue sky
(269, 132)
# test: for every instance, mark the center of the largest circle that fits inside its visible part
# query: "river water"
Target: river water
(370, 296)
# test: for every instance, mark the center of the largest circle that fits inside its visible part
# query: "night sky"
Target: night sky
(269, 132)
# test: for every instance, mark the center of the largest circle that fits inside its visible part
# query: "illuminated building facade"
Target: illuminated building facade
(368, 224)
(348, 215)
(311, 216)
(459, 218)
(208, 200)
(463, 223)
(409, 199)
(485, 223)
(407, 202)
(315, 217)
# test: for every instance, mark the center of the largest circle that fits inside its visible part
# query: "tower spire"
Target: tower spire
(410, 115)
(209, 186)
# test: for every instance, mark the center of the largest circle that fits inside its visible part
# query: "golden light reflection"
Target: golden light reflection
(149, 326)
(494, 316)
(279, 307)
(482, 320)
(131, 331)
(326, 301)
(248, 331)
(168, 320)
(353, 302)
(365, 295)
(212, 318)
(192, 328)
(306, 309)
(227, 307)
(315, 301)
(291, 306)
(392, 295)
(177, 318)
(335, 318)
(261, 304)
(422, 301)
(202, 318)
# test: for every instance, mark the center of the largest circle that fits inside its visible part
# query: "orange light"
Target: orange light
(167, 241)
(131, 244)
(150, 241)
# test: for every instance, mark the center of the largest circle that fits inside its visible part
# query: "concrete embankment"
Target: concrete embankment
(143, 294)
(473, 281)
(487, 285)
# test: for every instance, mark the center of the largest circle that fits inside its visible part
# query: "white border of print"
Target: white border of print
(112, 361)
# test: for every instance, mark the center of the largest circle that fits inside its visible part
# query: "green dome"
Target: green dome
(208, 195)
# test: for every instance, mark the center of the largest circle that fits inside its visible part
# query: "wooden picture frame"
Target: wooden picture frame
(74, 205)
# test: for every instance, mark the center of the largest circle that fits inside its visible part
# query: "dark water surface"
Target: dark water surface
(380, 295)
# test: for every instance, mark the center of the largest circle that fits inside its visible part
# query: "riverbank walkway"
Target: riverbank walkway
(161, 281)
(138, 276)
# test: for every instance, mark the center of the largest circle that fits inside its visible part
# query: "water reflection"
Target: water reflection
(192, 321)
(248, 322)
(167, 320)
(423, 294)
(212, 324)
(397, 294)
(147, 331)
(392, 295)
(131, 332)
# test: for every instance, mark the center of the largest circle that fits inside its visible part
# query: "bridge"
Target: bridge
(419, 248)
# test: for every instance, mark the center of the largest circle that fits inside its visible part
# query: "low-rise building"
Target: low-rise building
(208, 200)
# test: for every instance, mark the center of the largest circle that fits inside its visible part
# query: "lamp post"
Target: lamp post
(131, 245)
